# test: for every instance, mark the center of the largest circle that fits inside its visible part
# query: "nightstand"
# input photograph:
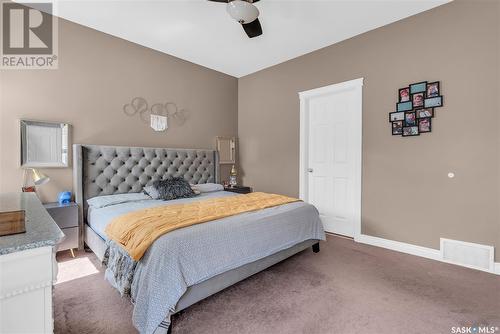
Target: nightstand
(239, 189)
(66, 217)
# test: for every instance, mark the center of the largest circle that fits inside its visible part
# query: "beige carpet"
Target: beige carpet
(346, 288)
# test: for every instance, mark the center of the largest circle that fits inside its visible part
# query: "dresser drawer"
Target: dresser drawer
(71, 240)
(25, 270)
(26, 279)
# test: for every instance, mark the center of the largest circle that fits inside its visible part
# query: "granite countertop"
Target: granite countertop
(41, 230)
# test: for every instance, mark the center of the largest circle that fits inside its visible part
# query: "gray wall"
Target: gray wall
(407, 195)
(97, 75)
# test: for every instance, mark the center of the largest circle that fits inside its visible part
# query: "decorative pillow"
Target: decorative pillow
(207, 187)
(151, 191)
(170, 189)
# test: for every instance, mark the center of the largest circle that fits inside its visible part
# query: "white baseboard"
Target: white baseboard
(429, 253)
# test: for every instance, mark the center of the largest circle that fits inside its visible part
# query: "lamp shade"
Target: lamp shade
(242, 11)
(39, 178)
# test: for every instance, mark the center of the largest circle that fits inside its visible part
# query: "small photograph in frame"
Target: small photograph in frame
(433, 102)
(397, 128)
(410, 119)
(424, 125)
(404, 94)
(396, 116)
(404, 106)
(418, 87)
(410, 131)
(433, 89)
(426, 112)
(418, 99)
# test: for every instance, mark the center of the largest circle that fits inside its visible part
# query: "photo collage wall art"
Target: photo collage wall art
(415, 109)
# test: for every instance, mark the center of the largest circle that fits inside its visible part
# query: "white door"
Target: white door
(331, 157)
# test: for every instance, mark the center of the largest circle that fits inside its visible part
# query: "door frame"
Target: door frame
(357, 85)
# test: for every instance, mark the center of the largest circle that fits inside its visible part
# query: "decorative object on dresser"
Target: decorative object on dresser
(44, 144)
(415, 109)
(28, 268)
(12, 222)
(66, 217)
(238, 189)
(37, 178)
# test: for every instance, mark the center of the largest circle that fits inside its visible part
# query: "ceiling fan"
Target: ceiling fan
(246, 14)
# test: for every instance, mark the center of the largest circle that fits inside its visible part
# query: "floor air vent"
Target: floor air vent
(468, 254)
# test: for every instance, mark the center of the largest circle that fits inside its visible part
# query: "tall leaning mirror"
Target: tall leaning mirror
(226, 146)
(44, 144)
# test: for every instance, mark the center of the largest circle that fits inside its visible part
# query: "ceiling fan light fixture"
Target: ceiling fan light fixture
(242, 11)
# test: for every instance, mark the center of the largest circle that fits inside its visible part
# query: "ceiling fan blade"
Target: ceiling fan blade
(253, 29)
(226, 1)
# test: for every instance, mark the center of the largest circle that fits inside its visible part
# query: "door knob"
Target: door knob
(310, 170)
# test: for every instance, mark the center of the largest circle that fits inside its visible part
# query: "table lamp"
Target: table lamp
(38, 179)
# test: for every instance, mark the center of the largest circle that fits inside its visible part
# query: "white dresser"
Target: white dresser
(28, 268)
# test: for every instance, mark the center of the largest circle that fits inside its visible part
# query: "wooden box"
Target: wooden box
(12, 222)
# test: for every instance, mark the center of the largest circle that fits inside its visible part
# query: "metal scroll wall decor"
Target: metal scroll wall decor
(158, 115)
(415, 109)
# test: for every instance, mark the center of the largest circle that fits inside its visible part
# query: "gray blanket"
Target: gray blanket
(188, 256)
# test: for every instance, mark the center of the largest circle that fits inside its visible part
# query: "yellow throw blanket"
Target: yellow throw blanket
(136, 231)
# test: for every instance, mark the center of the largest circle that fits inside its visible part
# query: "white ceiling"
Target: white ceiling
(202, 32)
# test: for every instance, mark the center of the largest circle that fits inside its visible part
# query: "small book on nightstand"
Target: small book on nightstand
(238, 189)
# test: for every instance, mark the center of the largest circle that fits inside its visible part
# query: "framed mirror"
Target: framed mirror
(226, 146)
(44, 144)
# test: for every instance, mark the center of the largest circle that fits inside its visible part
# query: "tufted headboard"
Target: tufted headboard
(106, 170)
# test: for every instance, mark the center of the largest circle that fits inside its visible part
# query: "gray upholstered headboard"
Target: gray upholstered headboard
(106, 170)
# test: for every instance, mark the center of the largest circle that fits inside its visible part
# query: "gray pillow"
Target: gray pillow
(170, 189)
(207, 187)
(108, 200)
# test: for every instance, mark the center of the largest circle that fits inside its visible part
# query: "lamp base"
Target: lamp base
(30, 189)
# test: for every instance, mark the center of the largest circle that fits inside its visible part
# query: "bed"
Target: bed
(235, 247)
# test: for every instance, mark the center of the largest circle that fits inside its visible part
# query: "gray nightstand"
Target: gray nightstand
(66, 216)
(239, 189)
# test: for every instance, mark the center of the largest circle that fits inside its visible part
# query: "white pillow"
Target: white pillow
(207, 187)
(104, 201)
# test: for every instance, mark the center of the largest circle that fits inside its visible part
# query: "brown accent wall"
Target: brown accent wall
(407, 195)
(97, 75)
